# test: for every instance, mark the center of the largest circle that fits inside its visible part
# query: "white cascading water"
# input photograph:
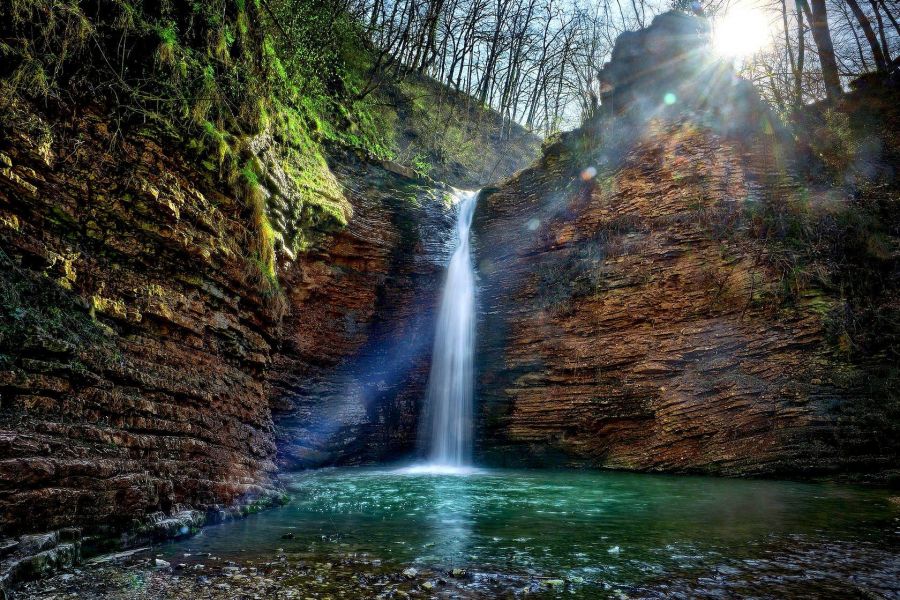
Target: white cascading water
(449, 399)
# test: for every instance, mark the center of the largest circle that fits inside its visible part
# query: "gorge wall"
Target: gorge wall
(141, 363)
(211, 268)
(643, 301)
(134, 356)
(350, 374)
(642, 305)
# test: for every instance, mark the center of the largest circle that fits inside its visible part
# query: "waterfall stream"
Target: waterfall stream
(448, 406)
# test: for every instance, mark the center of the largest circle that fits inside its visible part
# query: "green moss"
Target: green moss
(217, 140)
(34, 309)
(421, 165)
(273, 61)
(212, 76)
(168, 43)
(248, 172)
(264, 503)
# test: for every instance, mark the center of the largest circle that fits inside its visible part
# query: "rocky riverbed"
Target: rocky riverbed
(853, 572)
(142, 575)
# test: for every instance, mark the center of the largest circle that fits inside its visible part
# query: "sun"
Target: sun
(740, 32)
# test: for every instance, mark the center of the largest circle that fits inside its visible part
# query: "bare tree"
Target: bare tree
(866, 25)
(535, 61)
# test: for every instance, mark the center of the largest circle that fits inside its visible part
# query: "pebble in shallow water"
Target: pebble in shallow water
(852, 571)
(289, 577)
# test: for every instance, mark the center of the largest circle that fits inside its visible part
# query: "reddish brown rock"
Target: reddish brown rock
(139, 363)
(635, 313)
(352, 368)
(133, 366)
(624, 333)
(634, 319)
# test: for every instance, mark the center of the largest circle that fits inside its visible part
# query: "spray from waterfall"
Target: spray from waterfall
(448, 406)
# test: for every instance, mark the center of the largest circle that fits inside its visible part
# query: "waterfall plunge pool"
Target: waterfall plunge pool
(583, 534)
(469, 532)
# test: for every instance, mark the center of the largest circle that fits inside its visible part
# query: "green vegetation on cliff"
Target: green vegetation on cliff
(215, 77)
(256, 90)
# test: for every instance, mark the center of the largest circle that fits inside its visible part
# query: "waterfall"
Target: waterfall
(448, 403)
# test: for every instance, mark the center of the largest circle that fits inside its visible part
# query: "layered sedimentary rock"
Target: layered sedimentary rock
(140, 362)
(351, 371)
(134, 358)
(632, 313)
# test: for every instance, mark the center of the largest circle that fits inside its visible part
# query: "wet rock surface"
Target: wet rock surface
(284, 576)
(37, 555)
(351, 370)
(838, 571)
(800, 571)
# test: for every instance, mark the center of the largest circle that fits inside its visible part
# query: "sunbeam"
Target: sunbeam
(740, 32)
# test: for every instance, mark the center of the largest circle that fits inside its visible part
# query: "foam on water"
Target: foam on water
(437, 469)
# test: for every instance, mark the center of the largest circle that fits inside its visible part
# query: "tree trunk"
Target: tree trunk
(877, 54)
(885, 48)
(890, 15)
(787, 45)
(373, 21)
(859, 49)
(817, 16)
(801, 57)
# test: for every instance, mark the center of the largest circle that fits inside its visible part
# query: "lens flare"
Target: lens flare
(740, 32)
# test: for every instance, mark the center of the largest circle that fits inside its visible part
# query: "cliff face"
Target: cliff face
(635, 313)
(353, 365)
(630, 329)
(159, 399)
(141, 365)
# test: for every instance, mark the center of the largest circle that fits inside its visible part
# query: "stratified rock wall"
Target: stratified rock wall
(134, 358)
(352, 370)
(630, 329)
(140, 365)
(631, 315)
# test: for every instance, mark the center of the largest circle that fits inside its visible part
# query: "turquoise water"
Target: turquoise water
(593, 528)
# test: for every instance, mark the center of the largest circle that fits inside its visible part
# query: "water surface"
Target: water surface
(596, 530)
